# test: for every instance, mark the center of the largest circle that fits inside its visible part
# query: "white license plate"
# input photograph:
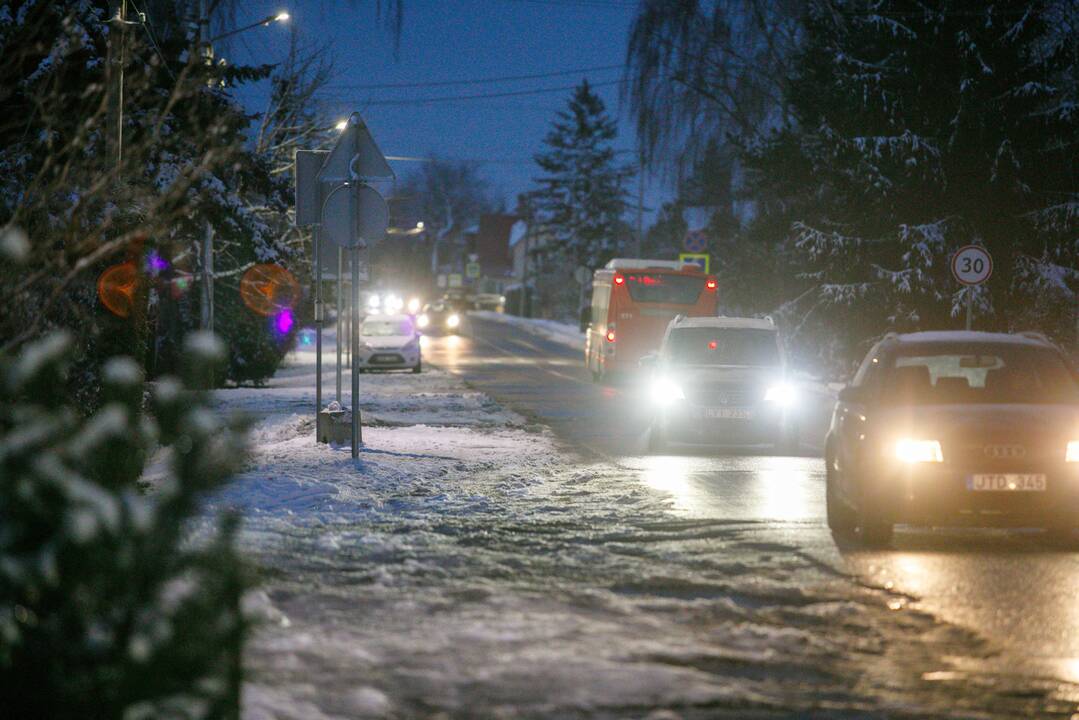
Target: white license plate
(1007, 482)
(727, 414)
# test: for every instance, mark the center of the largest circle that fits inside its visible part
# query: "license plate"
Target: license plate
(1007, 482)
(727, 414)
(384, 359)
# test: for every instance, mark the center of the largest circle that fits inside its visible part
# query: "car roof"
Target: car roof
(725, 322)
(971, 336)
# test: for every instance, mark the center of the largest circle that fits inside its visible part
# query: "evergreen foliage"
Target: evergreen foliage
(916, 130)
(581, 194)
(108, 609)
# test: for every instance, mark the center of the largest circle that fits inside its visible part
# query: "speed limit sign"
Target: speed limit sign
(972, 265)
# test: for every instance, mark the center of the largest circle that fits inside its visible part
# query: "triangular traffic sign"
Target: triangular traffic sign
(355, 156)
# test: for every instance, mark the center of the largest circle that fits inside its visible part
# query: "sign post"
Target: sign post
(352, 215)
(972, 265)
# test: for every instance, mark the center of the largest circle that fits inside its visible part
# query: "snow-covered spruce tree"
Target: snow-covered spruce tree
(918, 128)
(581, 192)
(108, 609)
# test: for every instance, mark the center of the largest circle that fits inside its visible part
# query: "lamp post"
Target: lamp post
(206, 49)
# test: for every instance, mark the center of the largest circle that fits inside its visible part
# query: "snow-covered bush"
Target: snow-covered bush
(110, 607)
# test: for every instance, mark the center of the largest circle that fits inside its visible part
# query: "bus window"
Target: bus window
(664, 288)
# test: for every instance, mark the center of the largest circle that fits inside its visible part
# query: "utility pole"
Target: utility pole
(206, 316)
(640, 210)
(525, 267)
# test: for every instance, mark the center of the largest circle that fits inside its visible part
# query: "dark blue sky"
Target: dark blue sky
(452, 40)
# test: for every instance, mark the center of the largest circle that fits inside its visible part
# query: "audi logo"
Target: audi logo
(1005, 452)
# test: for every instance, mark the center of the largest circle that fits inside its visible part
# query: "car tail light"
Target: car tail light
(619, 280)
(610, 336)
(712, 344)
(710, 284)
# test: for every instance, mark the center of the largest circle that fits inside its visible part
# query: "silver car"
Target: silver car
(389, 342)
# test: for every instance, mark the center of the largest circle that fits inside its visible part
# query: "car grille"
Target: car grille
(386, 359)
(1001, 456)
(722, 395)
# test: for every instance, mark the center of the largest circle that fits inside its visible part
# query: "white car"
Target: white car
(722, 381)
(389, 342)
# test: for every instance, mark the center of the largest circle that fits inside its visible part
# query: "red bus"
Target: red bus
(632, 303)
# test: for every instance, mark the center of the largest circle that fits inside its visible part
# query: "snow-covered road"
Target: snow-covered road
(470, 565)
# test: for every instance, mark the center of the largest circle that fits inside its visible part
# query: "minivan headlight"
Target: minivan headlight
(453, 320)
(1072, 453)
(780, 394)
(918, 451)
(665, 391)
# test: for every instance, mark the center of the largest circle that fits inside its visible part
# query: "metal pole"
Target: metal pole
(340, 339)
(640, 212)
(357, 432)
(970, 306)
(317, 247)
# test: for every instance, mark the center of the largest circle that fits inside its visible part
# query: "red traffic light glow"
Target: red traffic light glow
(610, 336)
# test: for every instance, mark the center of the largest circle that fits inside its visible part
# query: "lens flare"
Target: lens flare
(269, 289)
(116, 288)
(284, 321)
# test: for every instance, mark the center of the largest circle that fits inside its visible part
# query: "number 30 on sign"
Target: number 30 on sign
(972, 265)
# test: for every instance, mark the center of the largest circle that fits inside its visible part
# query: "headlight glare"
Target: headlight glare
(665, 391)
(918, 451)
(1072, 453)
(453, 320)
(423, 321)
(781, 394)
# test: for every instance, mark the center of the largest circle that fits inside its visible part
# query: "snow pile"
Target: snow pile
(559, 332)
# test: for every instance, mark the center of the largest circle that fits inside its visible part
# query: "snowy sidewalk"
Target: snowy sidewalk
(468, 566)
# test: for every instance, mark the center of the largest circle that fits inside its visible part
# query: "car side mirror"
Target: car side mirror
(852, 394)
(648, 362)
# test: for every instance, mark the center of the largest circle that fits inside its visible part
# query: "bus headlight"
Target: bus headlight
(665, 391)
(918, 451)
(423, 321)
(453, 320)
(781, 394)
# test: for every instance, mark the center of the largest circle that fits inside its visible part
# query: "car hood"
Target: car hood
(735, 374)
(387, 342)
(1028, 424)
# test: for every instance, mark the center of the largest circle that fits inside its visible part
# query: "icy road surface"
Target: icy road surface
(471, 564)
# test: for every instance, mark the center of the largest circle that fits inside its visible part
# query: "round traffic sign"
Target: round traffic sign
(695, 241)
(972, 265)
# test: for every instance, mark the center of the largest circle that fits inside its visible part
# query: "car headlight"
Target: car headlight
(665, 391)
(374, 301)
(781, 394)
(1072, 453)
(453, 320)
(413, 306)
(918, 451)
(423, 321)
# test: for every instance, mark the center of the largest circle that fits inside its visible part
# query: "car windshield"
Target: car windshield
(386, 328)
(980, 374)
(663, 288)
(723, 346)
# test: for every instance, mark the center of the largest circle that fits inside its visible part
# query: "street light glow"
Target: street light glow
(282, 16)
(419, 225)
(341, 125)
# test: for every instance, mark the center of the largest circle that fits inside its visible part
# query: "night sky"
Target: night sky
(455, 40)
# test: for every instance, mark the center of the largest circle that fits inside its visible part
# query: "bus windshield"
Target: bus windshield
(664, 288)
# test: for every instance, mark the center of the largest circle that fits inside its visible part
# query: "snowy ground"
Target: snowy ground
(468, 566)
(560, 332)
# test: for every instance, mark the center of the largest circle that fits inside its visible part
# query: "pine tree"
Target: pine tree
(581, 195)
(918, 129)
(109, 608)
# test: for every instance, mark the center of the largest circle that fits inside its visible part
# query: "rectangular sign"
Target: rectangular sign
(472, 270)
(455, 280)
(308, 200)
(701, 260)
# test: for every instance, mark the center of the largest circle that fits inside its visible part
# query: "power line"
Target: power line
(478, 81)
(485, 96)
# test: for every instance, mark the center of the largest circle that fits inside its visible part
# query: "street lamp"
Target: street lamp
(340, 126)
(268, 20)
